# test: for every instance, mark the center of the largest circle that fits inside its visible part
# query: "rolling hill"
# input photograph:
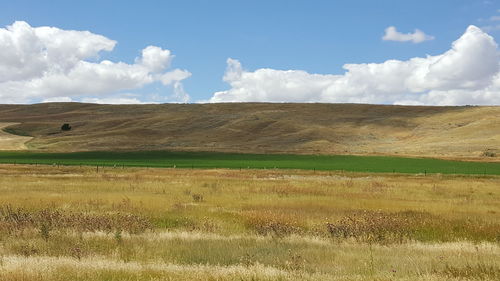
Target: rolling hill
(447, 132)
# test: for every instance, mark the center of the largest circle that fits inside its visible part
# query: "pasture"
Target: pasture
(206, 160)
(72, 223)
(289, 128)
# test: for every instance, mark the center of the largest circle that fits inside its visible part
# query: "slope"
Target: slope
(458, 132)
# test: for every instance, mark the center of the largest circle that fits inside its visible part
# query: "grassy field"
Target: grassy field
(71, 223)
(379, 164)
(10, 141)
(328, 129)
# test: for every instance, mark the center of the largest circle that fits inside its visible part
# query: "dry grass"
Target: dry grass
(18, 220)
(458, 132)
(70, 223)
(10, 141)
(253, 258)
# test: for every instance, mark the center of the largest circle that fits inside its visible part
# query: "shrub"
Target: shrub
(480, 271)
(46, 220)
(197, 197)
(273, 224)
(376, 226)
(488, 153)
(45, 232)
(65, 127)
(380, 227)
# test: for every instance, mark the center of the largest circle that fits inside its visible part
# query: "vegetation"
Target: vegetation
(16, 132)
(65, 127)
(379, 164)
(109, 215)
(327, 129)
(72, 223)
(489, 153)
(12, 138)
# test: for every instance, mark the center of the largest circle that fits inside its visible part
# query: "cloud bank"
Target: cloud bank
(468, 73)
(51, 64)
(418, 36)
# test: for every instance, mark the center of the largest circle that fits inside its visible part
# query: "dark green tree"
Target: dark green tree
(65, 127)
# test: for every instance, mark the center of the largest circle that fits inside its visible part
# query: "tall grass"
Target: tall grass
(72, 223)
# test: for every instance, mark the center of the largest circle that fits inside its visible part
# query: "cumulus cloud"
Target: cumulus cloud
(174, 76)
(155, 59)
(418, 36)
(47, 63)
(468, 73)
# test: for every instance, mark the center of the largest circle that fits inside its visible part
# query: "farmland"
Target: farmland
(379, 164)
(249, 192)
(72, 223)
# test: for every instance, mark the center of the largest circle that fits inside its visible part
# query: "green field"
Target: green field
(378, 164)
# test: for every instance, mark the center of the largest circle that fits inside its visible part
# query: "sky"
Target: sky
(191, 51)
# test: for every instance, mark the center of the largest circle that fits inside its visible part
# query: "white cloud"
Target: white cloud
(180, 95)
(174, 76)
(114, 100)
(58, 99)
(468, 73)
(491, 28)
(43, 63)
(155, 58)
(418, 36)
(492, 24)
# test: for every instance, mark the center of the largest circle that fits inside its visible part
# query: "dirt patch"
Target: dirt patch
(10, 141)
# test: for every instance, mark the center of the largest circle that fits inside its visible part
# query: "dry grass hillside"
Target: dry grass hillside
(10, 141)
(261, 128)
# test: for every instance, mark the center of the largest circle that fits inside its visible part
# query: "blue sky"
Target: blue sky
(318, 37)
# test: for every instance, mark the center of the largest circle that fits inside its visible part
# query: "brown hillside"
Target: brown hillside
(261, 128)
(11, 142)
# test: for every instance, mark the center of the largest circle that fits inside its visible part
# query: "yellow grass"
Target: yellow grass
(456, 132)
(71, 223)
(412, 261)
(10, 141)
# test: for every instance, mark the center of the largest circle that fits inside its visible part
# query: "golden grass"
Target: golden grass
(10, 141)
(50, 267)
(457, 132)
(344, 261)
(71, 223)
